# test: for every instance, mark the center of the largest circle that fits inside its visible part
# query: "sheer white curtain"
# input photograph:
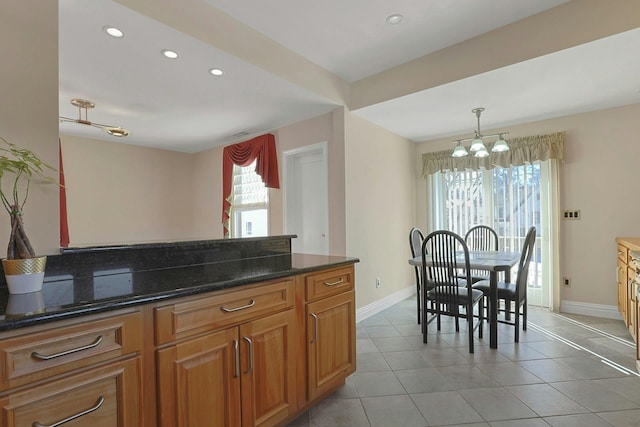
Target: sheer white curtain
(510, 199)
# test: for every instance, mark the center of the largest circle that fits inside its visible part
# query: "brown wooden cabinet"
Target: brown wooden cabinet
(331, 341)
(242, 375)
(628, 287)
(199, 381)
(622, 284)
(626, 279)
(237, 357)
(105, 396)
(86, 371)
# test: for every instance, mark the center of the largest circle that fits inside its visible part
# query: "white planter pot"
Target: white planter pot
(19, 305)
(24, 276)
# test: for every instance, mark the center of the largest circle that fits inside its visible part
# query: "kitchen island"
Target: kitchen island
(233, 332)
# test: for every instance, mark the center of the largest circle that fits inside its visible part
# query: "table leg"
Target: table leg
(493, 309)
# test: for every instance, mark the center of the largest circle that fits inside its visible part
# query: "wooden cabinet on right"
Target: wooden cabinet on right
(331, 340)
(628, 287)
(626, 279)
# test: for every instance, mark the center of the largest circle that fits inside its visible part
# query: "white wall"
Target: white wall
(29, 107)
(598, 177)
(380, 209)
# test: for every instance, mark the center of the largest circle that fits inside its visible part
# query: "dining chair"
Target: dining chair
(515, 292)
(443, 288)
(415, 242)
(481, 238)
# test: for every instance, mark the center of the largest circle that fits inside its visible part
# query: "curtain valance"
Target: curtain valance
(523, 150)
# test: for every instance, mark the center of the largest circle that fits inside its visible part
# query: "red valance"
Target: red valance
(64, 224)
(263, 150)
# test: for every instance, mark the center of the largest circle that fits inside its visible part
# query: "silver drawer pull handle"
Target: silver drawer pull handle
(236, 360)
(94, 344)
(242, 307)
(248, 340)
(337, 282)
(72, 417)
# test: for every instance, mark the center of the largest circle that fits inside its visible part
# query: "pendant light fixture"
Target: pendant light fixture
(85, 105)
(477, 142)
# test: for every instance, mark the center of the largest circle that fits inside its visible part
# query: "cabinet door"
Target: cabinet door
(331, 342)
(102, 397)
(622, 291)
(268, 365)
(199, 382)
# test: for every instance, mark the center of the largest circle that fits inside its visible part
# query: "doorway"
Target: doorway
(306, 198)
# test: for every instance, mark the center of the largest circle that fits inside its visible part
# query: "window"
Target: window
(507, 199)
(249, 204)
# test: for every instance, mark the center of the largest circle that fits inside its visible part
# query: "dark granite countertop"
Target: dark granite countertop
(93, 288)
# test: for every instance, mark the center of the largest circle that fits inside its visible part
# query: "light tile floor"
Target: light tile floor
(543, 380)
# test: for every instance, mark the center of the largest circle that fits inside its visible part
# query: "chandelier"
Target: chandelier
(477, 142)
(85, 105)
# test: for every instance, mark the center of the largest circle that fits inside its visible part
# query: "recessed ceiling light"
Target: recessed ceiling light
(170, 54)
(113, 31)
(216, 71)
(394, 19)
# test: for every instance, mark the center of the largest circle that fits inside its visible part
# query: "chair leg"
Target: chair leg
(524, 315)
(418, 298)
(480, 314)
(507, 309)
(470, 326)
(456, 312)
(517, 323)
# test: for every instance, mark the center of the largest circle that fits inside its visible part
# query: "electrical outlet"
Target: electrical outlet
(572, 214)
(378, 282)
(566, 281)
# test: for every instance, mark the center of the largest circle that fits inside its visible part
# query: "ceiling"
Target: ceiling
(177, 105)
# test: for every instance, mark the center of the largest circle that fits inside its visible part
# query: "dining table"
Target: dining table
(493, 262)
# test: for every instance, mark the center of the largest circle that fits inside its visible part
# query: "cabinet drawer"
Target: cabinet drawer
(623, 253)
(101, 397)
(213, 311)
(329, 282)
(38, 355)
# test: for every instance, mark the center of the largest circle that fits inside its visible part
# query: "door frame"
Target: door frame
(287, 159)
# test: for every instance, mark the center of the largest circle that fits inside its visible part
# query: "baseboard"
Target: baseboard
(587, 309)
(384, 303)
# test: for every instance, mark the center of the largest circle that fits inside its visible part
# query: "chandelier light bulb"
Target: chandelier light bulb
(460, 151)
(500, 145)
(482, 152)
(477, 144)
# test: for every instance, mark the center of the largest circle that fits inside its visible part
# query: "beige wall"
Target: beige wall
(380, 209)
(329, 128)
(207, 194)
(118, 193)
(29, 107)
(597, 177)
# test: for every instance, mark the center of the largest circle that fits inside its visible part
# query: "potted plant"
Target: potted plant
(23, 270)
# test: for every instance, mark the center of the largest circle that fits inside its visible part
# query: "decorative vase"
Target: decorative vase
(24, 275)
